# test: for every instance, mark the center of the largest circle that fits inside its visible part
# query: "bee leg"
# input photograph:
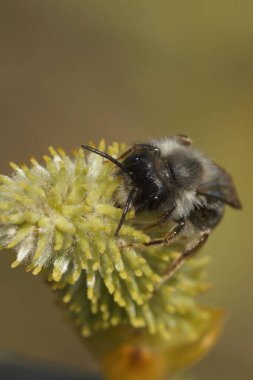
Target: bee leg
(172, 234)
(166, 240)
(192, 248)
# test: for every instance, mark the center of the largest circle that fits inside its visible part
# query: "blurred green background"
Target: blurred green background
(74, 71)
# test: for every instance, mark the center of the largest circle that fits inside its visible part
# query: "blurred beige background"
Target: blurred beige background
(71, 71)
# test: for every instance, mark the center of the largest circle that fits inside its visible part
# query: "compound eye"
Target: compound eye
(133, 160)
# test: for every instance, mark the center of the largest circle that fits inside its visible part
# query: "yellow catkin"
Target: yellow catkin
(61, 218)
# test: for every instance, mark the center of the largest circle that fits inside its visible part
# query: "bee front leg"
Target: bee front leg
(166, 240)
(190, 250)
(170, 236)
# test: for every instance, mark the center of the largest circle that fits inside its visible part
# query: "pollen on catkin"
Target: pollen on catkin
(60, 219)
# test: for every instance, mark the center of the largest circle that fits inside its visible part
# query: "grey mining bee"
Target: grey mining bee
(170, 177)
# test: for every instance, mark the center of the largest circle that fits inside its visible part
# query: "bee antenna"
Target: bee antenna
(130, 197)
(107, 156)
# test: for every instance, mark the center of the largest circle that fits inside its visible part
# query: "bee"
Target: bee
(170, 177)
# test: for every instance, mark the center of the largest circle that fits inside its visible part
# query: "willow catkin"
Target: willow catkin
(60, 219)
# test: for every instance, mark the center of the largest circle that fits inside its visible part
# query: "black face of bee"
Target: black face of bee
(143, 171)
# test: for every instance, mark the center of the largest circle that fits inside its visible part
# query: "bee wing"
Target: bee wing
(223, 189)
